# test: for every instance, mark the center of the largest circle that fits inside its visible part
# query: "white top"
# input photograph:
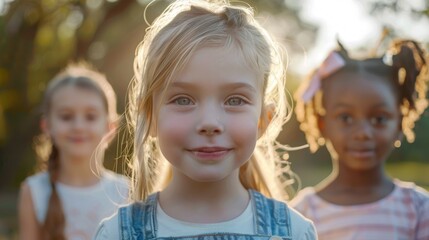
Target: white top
(84, 207)
(168, 226)
(302, 229)
(403, 214)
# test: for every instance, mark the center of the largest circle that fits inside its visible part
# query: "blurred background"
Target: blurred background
(39, 37)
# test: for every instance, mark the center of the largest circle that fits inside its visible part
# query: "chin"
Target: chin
(208, 178)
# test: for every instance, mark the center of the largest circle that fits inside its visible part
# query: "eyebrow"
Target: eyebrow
(236, 85)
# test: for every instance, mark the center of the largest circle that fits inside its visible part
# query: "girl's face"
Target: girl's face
(76, 121)
(362, 119)
(207, 124)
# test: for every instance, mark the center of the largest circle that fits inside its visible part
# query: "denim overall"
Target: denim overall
(271, 221)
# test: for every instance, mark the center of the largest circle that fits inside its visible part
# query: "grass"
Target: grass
(410, 171)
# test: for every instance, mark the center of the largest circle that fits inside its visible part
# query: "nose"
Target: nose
(78, 123)
(364, 130)
(210, 120)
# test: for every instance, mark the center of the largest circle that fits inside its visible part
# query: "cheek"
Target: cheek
(388, 138)
(56, 128)
(243, 131)
(168, 129)
(101, 127)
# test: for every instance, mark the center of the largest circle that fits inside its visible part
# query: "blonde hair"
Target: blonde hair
(83, 76)
(183, 28)
(405, 66)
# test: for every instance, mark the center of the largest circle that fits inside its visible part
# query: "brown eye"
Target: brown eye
(379, 120)
(346, 118)
(91, 117)
(66, 117)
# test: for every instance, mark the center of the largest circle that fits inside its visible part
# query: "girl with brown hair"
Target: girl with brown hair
(68, 199)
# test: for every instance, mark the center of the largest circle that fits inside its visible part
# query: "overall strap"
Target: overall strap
(272, 217)
(137, 221)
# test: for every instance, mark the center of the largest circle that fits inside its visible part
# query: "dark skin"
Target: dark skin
(342, 190)
(361, 124)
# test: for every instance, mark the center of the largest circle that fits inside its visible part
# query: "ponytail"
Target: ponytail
(409, 58)
(410, 68)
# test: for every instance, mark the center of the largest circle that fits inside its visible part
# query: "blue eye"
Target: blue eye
(183, 101)
(235, 101)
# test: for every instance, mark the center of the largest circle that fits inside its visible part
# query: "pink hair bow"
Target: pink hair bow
(331, 64)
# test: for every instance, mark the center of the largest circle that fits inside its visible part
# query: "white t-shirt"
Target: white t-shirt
(302, 229)
(403, 214)
(84, 207)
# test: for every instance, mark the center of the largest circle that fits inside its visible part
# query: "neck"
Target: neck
(207, 201)
(185, 188)
(365, 179)
(78, 172)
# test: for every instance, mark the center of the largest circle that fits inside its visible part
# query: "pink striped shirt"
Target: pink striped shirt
(403, 214)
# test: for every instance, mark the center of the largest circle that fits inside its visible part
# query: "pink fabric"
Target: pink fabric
(331, 64)
(403, 214)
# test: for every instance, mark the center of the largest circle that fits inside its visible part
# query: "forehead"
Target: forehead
(362, 87)
(213, 65)
(71, 96)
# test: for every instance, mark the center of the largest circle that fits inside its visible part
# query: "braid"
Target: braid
(53, 228)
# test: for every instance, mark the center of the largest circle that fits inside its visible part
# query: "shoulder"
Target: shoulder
(116, 185)
(303, 198)
(108, 229)
(27, 219)
(112, 177)
(418, 195)
(35, 192)
(25, 198)
(132, 214)
(302, 228)
(39, 187)
(38, 179)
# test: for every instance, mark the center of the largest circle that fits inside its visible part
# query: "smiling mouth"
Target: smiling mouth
(77, 140)
(362, 153)
(210, 153)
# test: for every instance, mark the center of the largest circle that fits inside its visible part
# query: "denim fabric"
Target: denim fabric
(272, 221)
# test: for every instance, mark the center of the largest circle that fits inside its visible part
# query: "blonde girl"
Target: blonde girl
(68, 199)
(361, 108)
(206, 106)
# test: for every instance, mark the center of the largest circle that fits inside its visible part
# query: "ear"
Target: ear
(267, 114)
(400, 136)
(44, 125)
(153, 127)
(112, 126)
(152, 130)
(111, 130)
